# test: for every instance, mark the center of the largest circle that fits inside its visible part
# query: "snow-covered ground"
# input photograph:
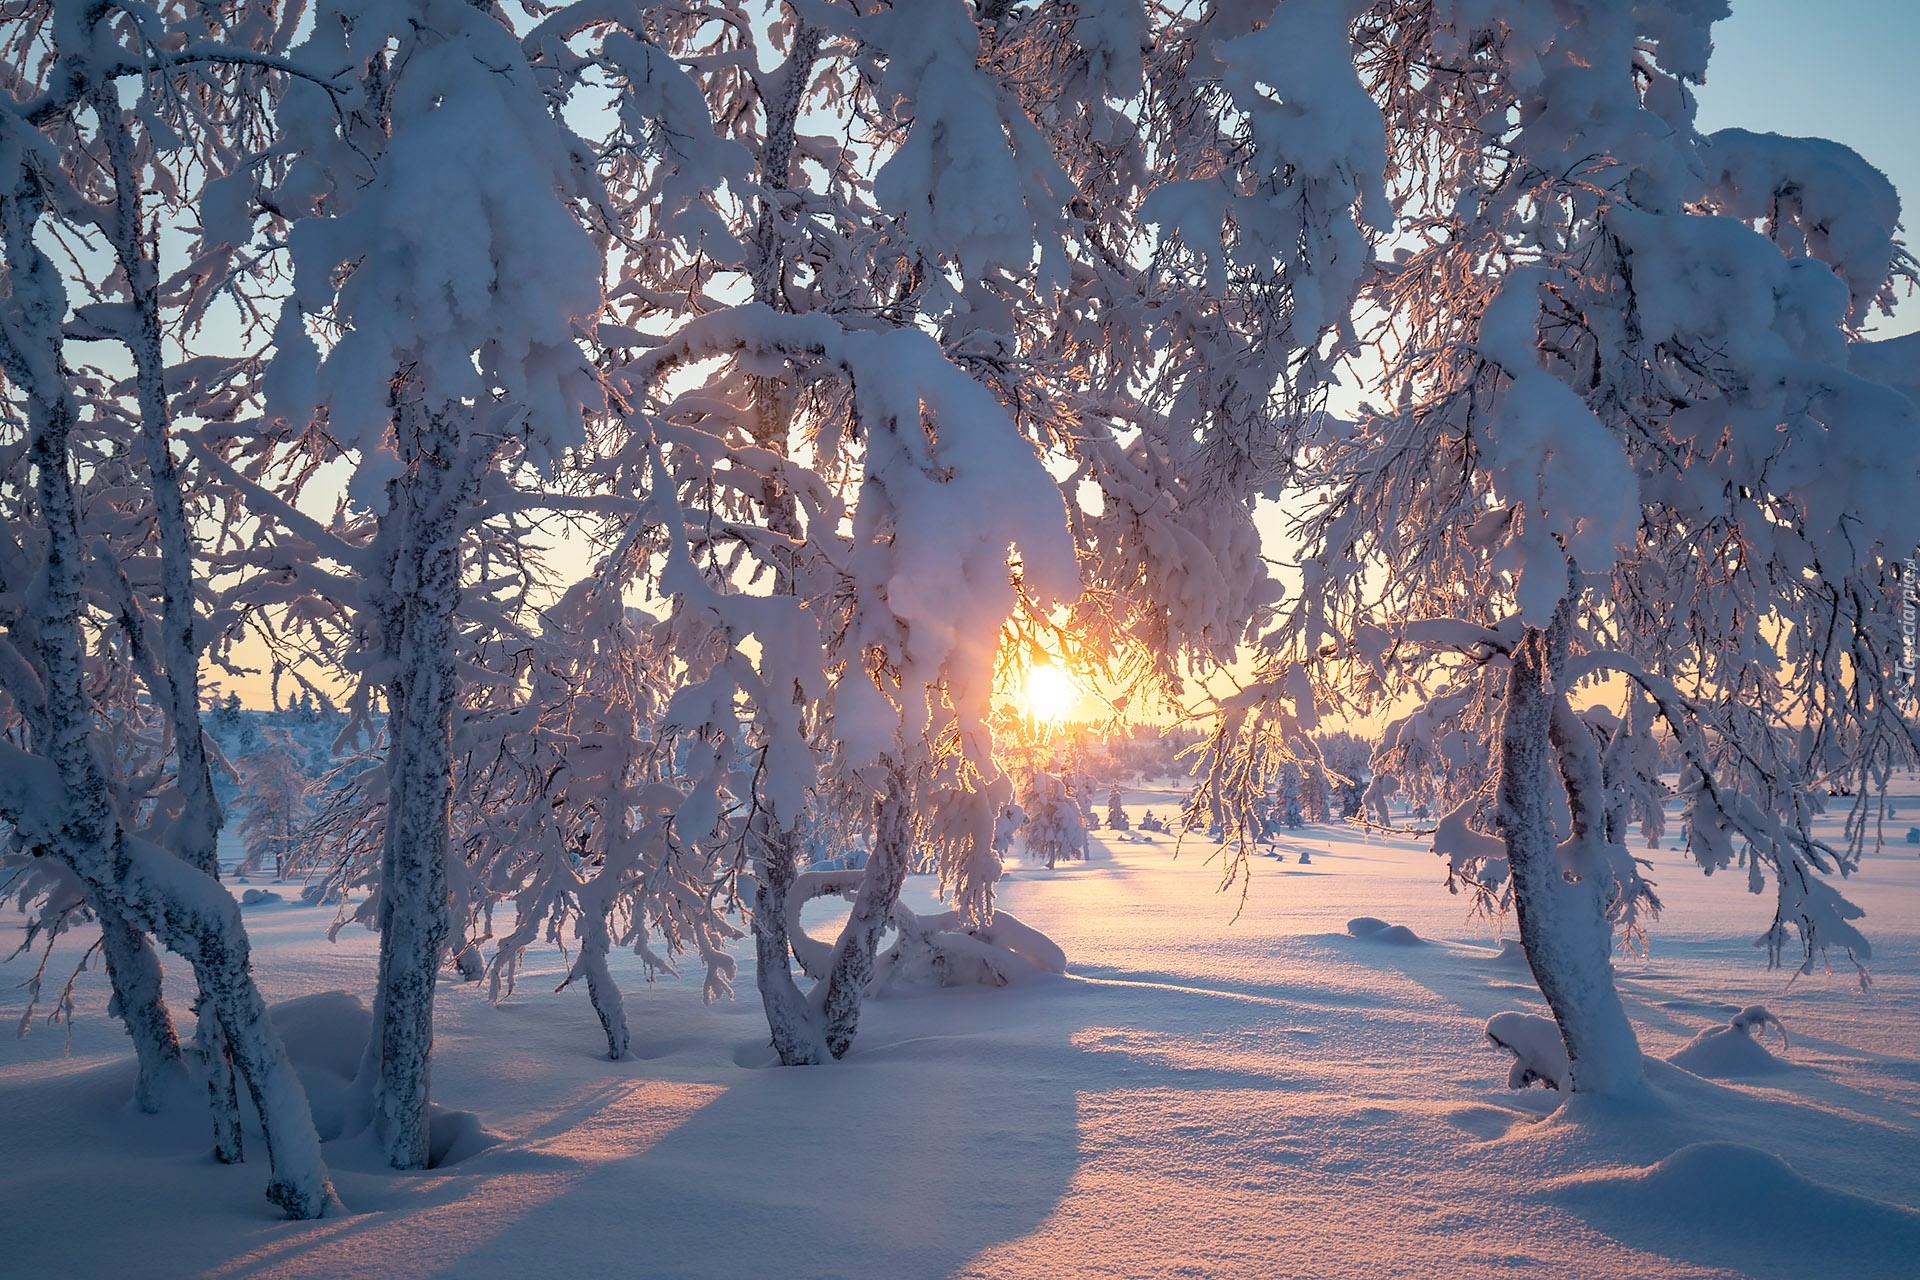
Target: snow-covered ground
(1270, 1097)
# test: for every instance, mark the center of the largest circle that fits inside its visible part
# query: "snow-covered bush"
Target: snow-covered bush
(1735, 1047)
(945, 950)
(1052, 828)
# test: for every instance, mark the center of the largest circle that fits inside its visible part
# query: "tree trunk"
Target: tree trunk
(134, 972)
(604, 993)
(1563, 924)
(790, 1016)
(852, 971)
(414, 917)
(196, 835)
(796, 1035)
(223, 1098)
(596, 940)
(204, 925)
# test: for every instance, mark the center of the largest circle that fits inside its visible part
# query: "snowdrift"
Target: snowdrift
(1727, 1204)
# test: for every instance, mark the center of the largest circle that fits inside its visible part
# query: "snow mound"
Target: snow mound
(1734, 1048)
(258, 897)
(1538, 1052)
(755, 1055)
(1714, 1200)
(1377, 930)
(942, 950)
(1512, 952)
(453, 1136)
(325, 1034)
(325, 1031)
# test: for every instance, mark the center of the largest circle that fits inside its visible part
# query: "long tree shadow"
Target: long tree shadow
(948, 1130)
(1723, 1204)
(954, 1128)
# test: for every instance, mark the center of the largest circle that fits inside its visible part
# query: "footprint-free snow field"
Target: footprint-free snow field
(1272, 1096)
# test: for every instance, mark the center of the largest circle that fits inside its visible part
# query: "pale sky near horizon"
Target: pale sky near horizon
(1839, 69)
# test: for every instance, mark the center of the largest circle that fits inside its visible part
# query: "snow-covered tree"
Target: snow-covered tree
(1292, 814)
(105, 768)
(568, 807)
(1622, 460)
(432, 206)
(843, 491)
(847, 331)
(274, 805)
(1052, 828)
(871, 255)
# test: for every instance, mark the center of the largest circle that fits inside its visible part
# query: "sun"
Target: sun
(1049, 694)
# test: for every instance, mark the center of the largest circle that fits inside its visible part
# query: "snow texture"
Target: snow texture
(1154, 1065)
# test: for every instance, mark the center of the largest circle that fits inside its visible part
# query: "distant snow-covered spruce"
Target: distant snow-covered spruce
(1052, 827)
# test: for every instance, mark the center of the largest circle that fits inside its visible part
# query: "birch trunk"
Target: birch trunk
(415, 920)
(796, 1034)
(610, 1008)
(1563, 923)
(223, 1095)
(790, 1018)
(852, 971)
(596, 897)
(133, 970)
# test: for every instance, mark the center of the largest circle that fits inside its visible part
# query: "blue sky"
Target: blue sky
(1840, 69)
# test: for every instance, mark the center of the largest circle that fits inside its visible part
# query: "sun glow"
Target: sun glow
(1049, 695)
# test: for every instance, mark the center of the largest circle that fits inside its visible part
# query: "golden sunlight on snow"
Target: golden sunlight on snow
(442, 1216)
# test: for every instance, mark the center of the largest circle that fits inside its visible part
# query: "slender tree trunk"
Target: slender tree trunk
(223, 1096)
(796, 1034)
(776, 164)
(1563, 923)
(852, 971)
(209, 932)
(602, 990)
(596, 897)
(415, 920)
(134, 972)
(390, 610)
